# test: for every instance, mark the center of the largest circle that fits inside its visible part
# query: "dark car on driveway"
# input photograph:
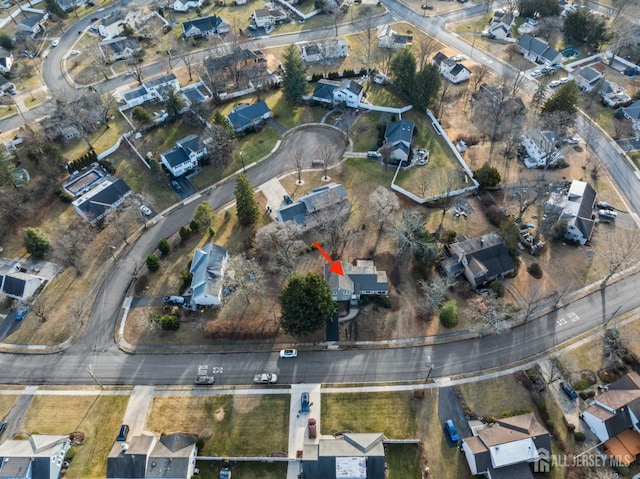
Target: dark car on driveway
(123, 433)
(176, 186)
(452, 432)
(568, 390)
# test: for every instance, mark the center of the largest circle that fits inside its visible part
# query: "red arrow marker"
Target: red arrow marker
(336, 266)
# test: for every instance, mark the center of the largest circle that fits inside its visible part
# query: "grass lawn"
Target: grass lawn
(244, 470)
(403, 461)
(230, 425)
(364, 134)
(383, 96)
(6, 403)
(99, 417)
(489, 398)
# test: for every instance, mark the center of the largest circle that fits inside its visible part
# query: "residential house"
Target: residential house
(541, 149)
(613, 95)
(507, 447)
(241, 69)
(397, 139)
(306, 212)
(631, 112)
(6, 60)
(96, 203)
(500, 26)
(614, 416)
(207, 276)
(205, 27)
(186, 5)
(576, 208)
(363, 279)
(453, 71)
(154, 89)
(538, 51)
(196, 93)
(39, 457)
(511, 105)
(16, 284)
(184, 156)
(324, 51)
(32, 23)
(351, 455)
(244, 116)
(5, 85)
(267, 18)
(70, 5)
(119, 48)
(168, 456)
(388, 38)
(481, 259)
(333, 92)
(586, 78)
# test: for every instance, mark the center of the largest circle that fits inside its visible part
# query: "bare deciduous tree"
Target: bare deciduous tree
(384, 203)
(71, 244)
(334, 227)
(325, 154)
(247, 275)
(279, 246)
(479, 73)
(135, 67)
(434, 293)
(297, 160)
(41, 307)
(424, 49)
(622, 251)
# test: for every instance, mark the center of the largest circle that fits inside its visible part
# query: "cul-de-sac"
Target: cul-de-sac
(319, 239)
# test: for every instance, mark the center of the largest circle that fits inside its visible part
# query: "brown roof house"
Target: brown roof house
(358, 280)
(481, 259)
(613, 417)
(169, 456)
(506, 448)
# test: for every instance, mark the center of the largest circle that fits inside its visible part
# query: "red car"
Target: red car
(312, 428)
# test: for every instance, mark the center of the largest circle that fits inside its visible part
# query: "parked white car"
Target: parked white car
(289, 353)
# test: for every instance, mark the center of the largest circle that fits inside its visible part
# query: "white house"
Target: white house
(631, 112)
(119, 48)
(500, 26)
(541, 149)
(205, 27)
(265, 17)
(388, 38)
(323, 51)
(348, 92)
(453, 71)
(207, 275)
(506, 448)
(613, 417)
(538, 51)
(16, 284)
(576, 209)
(184, 156)
(33, 22)
(614, 95)
(6, 60)
(154, 89)
(186, 5)
(586, 78)
(40, 456)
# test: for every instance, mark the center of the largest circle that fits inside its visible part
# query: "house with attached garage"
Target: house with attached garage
(363, 279)
(388, 38)
(586, 78)
(614, 417)
(348, 92)
(154, 89)
(186, 5)
(538, 51)
(207, 276)
(33, 23)
(323, 51)
(481, 259)
(307, 211)
(453, 71)
(184, 156)
(397, 140)
(575, 207)
(119, 48)
(168, 456)
(351, 455)
(40, 456)
(205, 27)
(267, 17)
(96, 203)
(631, 112)
(244, 116)
(613, 95)
(506, 448)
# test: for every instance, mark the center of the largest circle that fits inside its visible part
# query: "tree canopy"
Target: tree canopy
(294, 80)
(36, 242)
(427, 85)
(204, 215)
(585, 26)
(306, 304)
(487, 176)
(403, 71)
(246, 204)
(544, 8)
(141, 116)
(564, 99)
(174, 102)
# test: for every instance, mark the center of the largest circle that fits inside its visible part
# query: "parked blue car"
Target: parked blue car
(22, 312)
(451, 431)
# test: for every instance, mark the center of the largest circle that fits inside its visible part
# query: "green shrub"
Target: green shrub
(169, 322)
(571, 427)
(164, 246)
(581, 384)
(184, 233)
(382, 301)
(200, 443)
(71, 453)
(579, 436)
(153, 263)
(497, 287)
(449, 314)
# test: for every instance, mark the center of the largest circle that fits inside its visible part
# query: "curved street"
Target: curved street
(96, 347)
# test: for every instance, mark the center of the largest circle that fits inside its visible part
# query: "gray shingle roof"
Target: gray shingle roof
(399, 131)
(633, 110)
(532, 44)
(204, 24)
(324, 90)
(175, 156)
(242, 116)
(95, 206)
(118, 45)
(161, 80)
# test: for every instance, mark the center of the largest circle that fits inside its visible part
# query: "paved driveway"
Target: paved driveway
(449, 408)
